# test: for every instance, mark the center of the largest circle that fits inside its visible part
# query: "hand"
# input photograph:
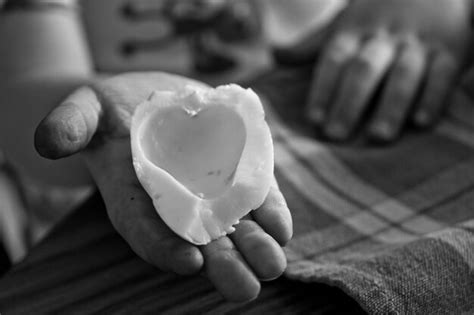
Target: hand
(404, 53)
(95, 121)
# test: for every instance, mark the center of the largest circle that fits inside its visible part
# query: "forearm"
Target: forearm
(45, 38)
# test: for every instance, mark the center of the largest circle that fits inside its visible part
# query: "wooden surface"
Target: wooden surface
(85, 267)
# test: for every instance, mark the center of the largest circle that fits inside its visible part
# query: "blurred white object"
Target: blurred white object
(42, 39)
(287, 22)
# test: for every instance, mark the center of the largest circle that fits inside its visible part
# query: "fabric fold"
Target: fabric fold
(392, 226)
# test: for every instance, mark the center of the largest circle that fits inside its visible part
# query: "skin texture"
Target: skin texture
(95, 121)
(408, 52)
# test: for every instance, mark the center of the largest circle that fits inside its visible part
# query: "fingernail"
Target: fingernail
(382, 130)
(188, 260)
(422, 118)
(336, 130)
(316, 115)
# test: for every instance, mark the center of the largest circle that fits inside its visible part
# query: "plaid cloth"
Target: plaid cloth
(392, 226)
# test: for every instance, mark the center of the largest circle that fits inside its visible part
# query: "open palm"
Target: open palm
(95, 120)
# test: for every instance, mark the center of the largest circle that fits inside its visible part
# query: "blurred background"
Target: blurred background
(54, 46)
(195, 38)
(50, 47)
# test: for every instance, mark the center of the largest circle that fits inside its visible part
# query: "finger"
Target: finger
(274, 216)
(228, 271)
(399, 92)
(69, 127)
(138, 223)
(441, 75)
(149, 238)
(132, 213)
(327, 73)
(361, 79)
(260, 250)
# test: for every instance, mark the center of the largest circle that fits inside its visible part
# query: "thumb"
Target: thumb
(68, 128)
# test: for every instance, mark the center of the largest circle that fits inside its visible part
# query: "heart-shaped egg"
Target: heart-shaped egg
(204, 156)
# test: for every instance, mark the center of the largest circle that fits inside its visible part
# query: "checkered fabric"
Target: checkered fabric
(392, 226)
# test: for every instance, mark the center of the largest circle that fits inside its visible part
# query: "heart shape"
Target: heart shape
(201, 150)
(204, 156)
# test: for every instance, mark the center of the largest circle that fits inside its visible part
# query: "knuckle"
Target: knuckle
(340, 49)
